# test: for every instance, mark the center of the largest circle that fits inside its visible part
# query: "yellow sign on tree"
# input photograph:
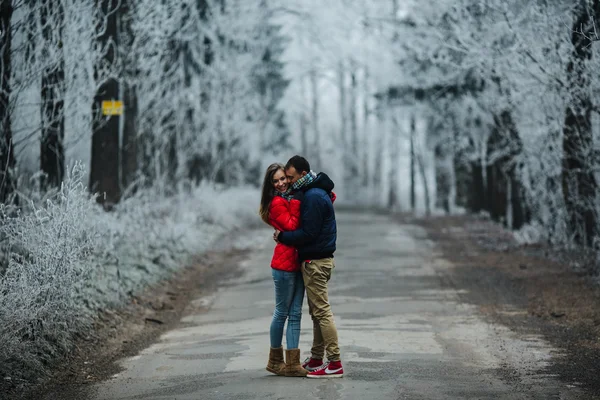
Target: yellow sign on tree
(112, 107)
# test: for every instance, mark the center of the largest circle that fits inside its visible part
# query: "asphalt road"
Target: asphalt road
(401, 335)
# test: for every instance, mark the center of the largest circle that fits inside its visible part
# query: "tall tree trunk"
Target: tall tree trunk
(172, 160)
(343, 101)
(495, 181)
(366, 148)
(515, 201)
(343, 104)
(353, 163)
(412, 164)
(394, 157)
(129, 151)
(204, 163)
(579, 184)
(378, 155)
(52, 154)
(316, 147)
(463, 171)
(187, 114)
(496, 191)
(7, 155)
(303, 119)
(476, 195)
(443, 177)
(425, 182)
(452, 183)
(104, 171)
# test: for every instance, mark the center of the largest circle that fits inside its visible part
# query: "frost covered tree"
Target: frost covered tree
(201, 83)
(7, 158)
(105, 161)
(579, 183)
(129, 82)
(270, 83)
(494, 132)
(52, 155)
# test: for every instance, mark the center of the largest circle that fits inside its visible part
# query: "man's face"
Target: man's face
(293, 175)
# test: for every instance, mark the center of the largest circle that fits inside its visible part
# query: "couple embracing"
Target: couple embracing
(299, 204)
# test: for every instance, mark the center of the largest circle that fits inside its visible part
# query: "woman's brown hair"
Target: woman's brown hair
(267, 191)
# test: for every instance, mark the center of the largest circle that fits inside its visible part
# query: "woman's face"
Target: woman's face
(280, 181)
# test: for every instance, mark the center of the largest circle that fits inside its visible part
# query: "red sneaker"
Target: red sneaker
(332, 369)
(312, 364)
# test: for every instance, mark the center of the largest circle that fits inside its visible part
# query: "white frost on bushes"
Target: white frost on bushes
(68, 259)
(530, 234)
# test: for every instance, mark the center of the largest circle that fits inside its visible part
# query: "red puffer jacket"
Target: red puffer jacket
(285, 216)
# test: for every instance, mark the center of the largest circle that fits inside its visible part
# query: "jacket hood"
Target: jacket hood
(321, 182)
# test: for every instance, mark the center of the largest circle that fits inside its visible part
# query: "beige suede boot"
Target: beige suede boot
(276, 364)
(292, 363)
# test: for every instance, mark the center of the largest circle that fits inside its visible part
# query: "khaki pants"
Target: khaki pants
(316, 274)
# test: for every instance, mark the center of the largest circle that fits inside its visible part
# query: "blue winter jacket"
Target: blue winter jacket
(315, 239)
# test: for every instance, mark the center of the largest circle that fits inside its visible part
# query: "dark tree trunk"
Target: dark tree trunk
(104, 170)
(52, 154)
(518, 213)
(476, 196)
(425, 183)
(579, 184)
(495, 180)
(129, 151)
(382, 119)
(204, 163)
(145, 148)
(303, 132)
(462, 172)
(7, 155)
(353, 156)
(496, 192)
(343, 104)
(172, 159)
(518, 209)
(442, 178)
(412, 164)
(504, 191)
(366, 174)
(168, 157)
(314, 93)
(464, 181)
(394, 157)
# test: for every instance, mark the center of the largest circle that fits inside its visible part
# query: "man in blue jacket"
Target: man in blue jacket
(315, 241)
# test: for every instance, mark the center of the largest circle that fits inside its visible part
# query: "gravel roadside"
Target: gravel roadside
(533, 290)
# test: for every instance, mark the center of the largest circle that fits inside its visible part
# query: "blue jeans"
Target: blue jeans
(289, 295)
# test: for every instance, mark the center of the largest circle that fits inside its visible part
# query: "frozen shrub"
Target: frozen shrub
(40, 297)
(65, 259)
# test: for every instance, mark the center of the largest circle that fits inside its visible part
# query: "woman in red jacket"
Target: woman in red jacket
(280, 210)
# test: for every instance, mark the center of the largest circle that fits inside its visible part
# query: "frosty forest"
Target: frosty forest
(478, 106)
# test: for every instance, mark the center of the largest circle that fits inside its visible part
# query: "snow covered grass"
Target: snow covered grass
(65, 259)
(529, 234)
